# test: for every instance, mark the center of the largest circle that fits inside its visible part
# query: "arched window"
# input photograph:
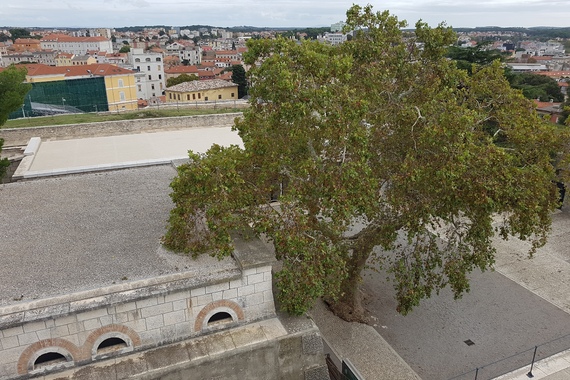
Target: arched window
(49, 359)
(137, 59)
(158, 59)
(219, 318)
(147, 60)
(110, 345)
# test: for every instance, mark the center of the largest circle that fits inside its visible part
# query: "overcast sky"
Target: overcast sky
(276, 13)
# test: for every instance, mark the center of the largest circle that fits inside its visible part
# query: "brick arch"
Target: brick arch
(24, 363)
(109, 329)
(221, 304)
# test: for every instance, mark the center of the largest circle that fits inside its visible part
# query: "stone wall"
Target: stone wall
(278, 348)
(136, 316)
(21, 136)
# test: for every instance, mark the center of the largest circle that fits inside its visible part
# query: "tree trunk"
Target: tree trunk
(349, 305)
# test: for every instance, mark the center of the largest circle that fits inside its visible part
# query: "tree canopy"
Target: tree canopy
(379, 151)
(12, 90)
(180, 79)
(535, 86)
(239, 78)
(479, 55)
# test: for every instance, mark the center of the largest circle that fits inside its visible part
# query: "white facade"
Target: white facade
(192, 54)
(150, 79)
(77, 45)
(335, 38)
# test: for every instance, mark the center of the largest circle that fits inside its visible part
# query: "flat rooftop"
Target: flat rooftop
(81, 155)
(79, 232)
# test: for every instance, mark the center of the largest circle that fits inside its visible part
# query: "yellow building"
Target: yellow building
(119, 83)
(63, 59)
(202, 91)
(121, 88)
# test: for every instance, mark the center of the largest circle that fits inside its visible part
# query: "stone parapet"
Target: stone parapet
(85, 327)
(21, 136)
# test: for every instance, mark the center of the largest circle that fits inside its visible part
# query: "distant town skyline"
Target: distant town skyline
(277, 13)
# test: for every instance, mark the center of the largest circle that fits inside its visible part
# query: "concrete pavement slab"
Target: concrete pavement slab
(112, 152)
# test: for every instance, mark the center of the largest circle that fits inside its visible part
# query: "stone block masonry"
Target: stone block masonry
(79, 329)
(21, 136)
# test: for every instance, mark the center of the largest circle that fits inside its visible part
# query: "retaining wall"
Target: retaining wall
(21, 136)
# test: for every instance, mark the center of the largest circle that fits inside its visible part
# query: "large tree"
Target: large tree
(379, 148)
(239, 78)
(12, 90)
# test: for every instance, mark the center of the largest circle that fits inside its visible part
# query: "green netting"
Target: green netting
(65, 96)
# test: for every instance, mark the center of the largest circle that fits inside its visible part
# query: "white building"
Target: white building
(334, 38)
(193, 54)
(150, 78)
(337, 27)
(75, 45)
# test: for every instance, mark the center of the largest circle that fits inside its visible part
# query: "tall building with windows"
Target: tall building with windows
(150, 78)
(75, 45)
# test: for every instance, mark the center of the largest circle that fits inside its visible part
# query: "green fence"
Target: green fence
(65, 96)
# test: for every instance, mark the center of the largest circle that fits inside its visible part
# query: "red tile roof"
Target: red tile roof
(98, 69)
(554, 74)
(181, 70)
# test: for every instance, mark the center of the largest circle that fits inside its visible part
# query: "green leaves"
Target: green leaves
(383, 132)
(12, 90)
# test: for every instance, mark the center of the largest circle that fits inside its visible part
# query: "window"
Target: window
(193, 96)
(158, 67)
(219, 96)
(122, 96)
(198, 95)
(137, 59)
(121, 83)
(159, 76)
(158, 59)
(148, 68)
(187, 96)
(150, 77)
(147, 60)
(49, 359)
(110, 345)
(138, 68)
(139, 87)
(220, 318)
(205, 98)
(152, 86)
(178, 96)
(232, 94)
